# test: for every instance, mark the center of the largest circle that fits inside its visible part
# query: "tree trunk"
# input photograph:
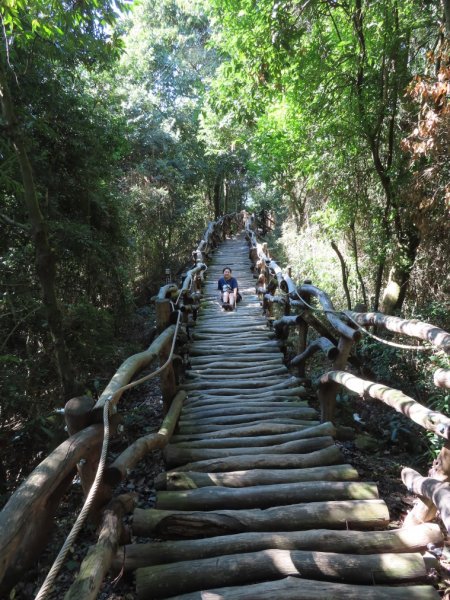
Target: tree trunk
(344, 271)
(358, 272)
(397, 286)
(44, 256)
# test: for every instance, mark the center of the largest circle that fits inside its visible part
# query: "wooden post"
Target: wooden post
(302, 333)
(327, 391)
(78, 415)
(167, 377)
(163, 310)
(301, 346)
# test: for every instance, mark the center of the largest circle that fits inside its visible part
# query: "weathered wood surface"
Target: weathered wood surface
(294, 588)
(132, 365)
(26, 520)
(260, 491)
(261, 440)
(433, 490)
(143, 445)
(343, 514)
(174, 456)
(97, 562)
(265, 496)
(429, 419)
(327, 456)
(412, 539)
(189, 480)
(441, 378)
(413, 328)
(161, 581)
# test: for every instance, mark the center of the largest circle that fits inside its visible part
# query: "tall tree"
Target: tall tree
(72, 35)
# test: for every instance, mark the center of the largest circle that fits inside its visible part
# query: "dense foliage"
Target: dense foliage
(124, 131)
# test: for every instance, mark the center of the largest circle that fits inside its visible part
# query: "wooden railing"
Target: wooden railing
(338, 333)
(27, 518)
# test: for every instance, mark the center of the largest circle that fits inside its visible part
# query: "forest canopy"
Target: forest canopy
(125, 127)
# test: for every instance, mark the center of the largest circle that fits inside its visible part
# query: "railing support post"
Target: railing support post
(327, 391)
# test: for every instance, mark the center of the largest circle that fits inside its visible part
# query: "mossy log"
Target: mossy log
(265, 496)
(327, 456)
(413, 539)
(175, 456)
(294, 588)
(260, 440)
(161, 581)
(190, 480)
(429, 419)
(27, 519)
(341, 514)
(99, 557)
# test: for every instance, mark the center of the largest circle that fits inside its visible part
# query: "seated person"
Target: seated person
(228, 287)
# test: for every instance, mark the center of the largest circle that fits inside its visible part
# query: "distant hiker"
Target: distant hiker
(228, 287)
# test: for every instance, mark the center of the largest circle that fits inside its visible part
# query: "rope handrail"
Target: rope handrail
(61, 557)
(345, 315)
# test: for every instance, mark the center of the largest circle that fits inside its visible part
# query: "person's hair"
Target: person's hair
(227, 268)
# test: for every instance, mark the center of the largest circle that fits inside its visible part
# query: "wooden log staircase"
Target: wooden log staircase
(257, 501)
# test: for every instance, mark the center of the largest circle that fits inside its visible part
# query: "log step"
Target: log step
(190, 480)
(161, 581)
(294, 588)
(340, 514)
(264, 496)
(174, 456)
(411, 539)
(259, 504)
